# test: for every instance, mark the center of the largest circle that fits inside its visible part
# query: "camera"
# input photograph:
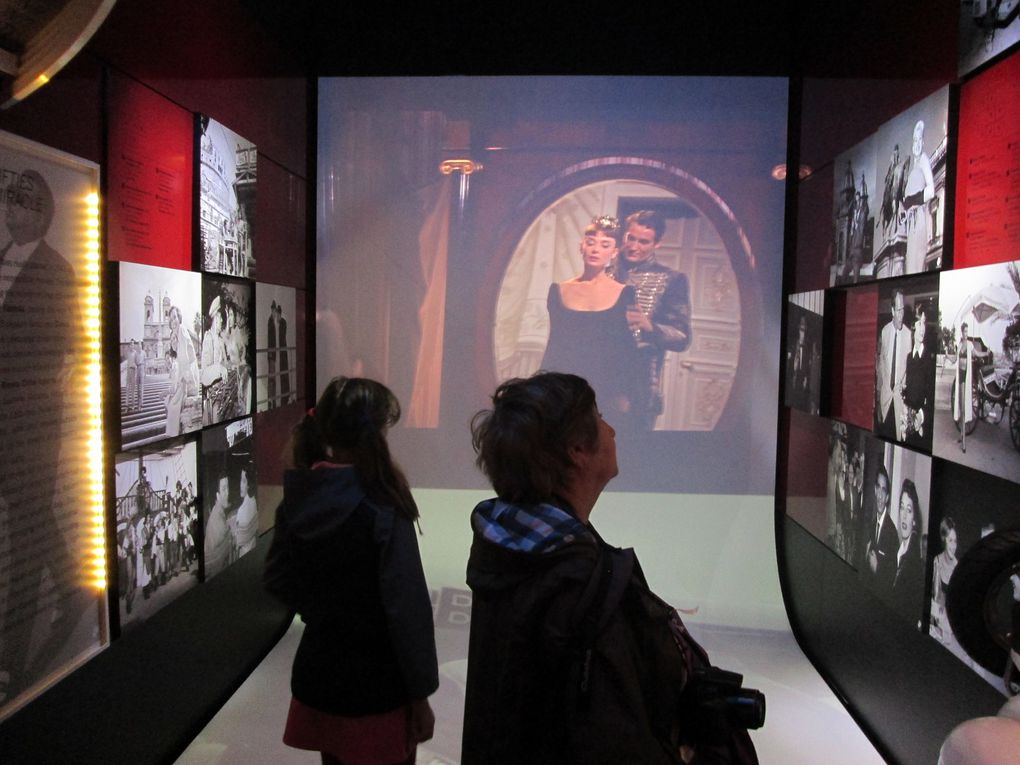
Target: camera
(719, 692)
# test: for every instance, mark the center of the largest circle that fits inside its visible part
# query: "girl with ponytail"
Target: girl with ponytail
(345, 558)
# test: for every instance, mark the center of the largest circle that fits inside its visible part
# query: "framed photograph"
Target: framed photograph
(229, 508)
(977, 417)
(845, 528)
(894, 528)
(157, 527)
(160, 346)
(276, 349)
(987, 181)
(52, 606)
(967, 506)
(150, 152)
(227, 172)
(911, 151)
(226, 349)
(905, 360)
(855, 198)
(987, 28)
(803, 363)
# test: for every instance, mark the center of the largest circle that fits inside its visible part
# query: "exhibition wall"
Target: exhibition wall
(204, 265)
(899, 448)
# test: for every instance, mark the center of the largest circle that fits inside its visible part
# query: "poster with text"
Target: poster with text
(988, 168)
(149, 200)
(52, 570)
(227, 165)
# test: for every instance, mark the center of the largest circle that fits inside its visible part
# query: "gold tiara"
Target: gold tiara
(605, 222)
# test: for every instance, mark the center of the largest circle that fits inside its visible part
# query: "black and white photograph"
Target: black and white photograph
(987, 28)
(230, 516)
(226, 368)
(895, 494)
(911, 151)
(905, 361)
(804, 350)
(845, 493)
(160, 343)
(157, 527)
(276, 358)
(226, 200)
(53, 611)
(856, 202)
(971, 507)
(977, 417)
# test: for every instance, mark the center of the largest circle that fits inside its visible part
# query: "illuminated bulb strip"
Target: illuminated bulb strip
(94, 388)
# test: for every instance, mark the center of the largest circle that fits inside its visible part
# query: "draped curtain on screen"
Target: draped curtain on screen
(384, 236)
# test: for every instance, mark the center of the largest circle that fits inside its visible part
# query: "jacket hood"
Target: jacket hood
(512, 543)
(317, 502)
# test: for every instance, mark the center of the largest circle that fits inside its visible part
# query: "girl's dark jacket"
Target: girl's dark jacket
(351, 569)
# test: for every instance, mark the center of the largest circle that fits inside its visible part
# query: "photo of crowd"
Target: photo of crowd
(157, 526)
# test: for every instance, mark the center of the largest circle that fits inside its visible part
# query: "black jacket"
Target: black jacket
(351, 568)
(534, 695)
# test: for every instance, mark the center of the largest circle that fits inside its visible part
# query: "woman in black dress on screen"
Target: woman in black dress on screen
(588, 331)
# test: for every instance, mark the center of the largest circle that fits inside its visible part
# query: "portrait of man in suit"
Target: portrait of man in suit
(880, 553)
(890, 371)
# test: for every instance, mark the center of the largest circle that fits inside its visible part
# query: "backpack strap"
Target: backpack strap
(598, 602)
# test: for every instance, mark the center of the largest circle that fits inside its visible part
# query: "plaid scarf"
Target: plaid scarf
(538, 528)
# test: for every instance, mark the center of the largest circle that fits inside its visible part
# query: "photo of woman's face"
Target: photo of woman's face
(597, 249)
(951, 543)
(906, 526)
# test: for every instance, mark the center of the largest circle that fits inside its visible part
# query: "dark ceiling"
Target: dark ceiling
(865, 38)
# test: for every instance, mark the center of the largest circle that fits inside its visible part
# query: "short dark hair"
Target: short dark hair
(884, 474)
(652, 219)
(945, 527)
(523, 443)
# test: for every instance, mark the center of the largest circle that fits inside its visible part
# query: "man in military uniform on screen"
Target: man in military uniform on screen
(661, 320)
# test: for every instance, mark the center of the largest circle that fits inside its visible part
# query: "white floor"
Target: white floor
(805, 723)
